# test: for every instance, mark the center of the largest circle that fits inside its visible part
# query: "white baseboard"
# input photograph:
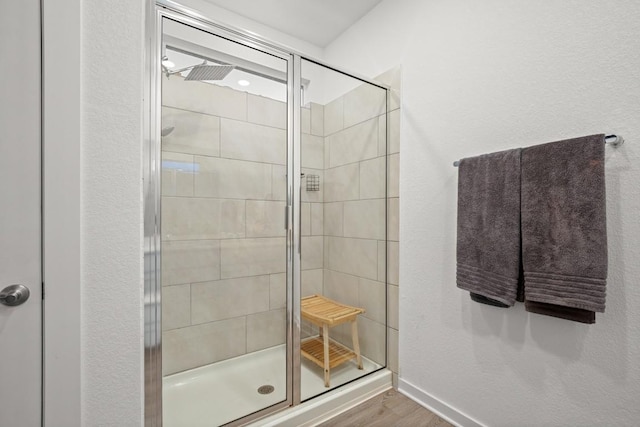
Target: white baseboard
(435, 405)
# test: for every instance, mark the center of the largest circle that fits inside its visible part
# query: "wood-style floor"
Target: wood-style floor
(388, 409)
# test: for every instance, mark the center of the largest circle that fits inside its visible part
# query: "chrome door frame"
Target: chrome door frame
(156, 12)
(151, 188)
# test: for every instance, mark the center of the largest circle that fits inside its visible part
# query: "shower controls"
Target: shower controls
(14, 295)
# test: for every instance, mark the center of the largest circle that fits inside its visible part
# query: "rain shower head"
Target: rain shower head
(209, 72)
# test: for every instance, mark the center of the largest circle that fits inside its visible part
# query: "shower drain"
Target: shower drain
(266, 389)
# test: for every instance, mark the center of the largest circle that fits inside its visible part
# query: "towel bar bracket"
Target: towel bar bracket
(614, 140)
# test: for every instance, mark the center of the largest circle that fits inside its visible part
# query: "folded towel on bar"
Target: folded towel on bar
(488, 240)
(564, 234)
(568, 313)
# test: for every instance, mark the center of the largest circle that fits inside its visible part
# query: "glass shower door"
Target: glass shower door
(343, 227)
(223, 238)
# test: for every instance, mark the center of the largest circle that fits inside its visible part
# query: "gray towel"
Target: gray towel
(564, 234)
(488, 241)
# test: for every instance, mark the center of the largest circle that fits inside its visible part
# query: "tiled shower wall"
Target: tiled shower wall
(223, 237)
(354, 213)
(224, 287)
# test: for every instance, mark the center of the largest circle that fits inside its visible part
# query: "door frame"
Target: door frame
(61, 29)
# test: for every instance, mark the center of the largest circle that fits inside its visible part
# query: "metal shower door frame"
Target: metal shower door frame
(151, 188)
(156, 12)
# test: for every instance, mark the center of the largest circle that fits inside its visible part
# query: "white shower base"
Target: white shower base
(222, 392)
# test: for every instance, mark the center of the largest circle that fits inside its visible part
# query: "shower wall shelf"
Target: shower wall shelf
(313, 182)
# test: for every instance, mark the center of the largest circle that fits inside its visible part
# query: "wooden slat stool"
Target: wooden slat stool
(326, 314)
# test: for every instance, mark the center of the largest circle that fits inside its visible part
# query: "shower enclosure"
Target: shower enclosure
(265, 185)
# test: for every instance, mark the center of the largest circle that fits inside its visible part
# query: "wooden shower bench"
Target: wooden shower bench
(325, 314)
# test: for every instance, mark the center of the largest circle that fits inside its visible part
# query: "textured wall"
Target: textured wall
(112, 330)
(485, 76)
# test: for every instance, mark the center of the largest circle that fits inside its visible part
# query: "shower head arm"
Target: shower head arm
(169, 72)
(186, 68)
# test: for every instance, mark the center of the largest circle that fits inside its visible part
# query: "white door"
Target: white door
(20, 206)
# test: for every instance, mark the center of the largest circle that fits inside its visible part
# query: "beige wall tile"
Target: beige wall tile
(252, 257)
(317, 219)
(382, 265)
(394, 132)
(393, 306)
(193, 133)
(200, 345)
(190, 261)
(392, 78)
(354, 256)
(224, 299)
(177, 174)
(354, 144)
(312, 151)
(266, 111)
(365, 219)
(278, 183)
(396, 97)
(382, 135)
(232, 179)
(333, 116)
(266, 330)
(305, 219)
(342, 334)
(372, 297)
(341, 287)
(372, 339)
(393, 256)
(334, 219)
(305, 120)
(373, 178)
(394, 176)
(204, 98)
(393, 217)
(185, 218)
(176, 307)
(307, 329)
(326, 253)
(342, 183)
(265, 218)
(327, 153)
(277, 291)
(392, 362)
(311, 282)
(317, 119)
(363, 103)
(248, 141)
(311, 252)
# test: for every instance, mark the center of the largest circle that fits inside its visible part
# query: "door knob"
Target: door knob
(14, 295)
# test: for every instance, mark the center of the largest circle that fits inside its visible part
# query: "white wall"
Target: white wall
(111, 99)
(485, 76)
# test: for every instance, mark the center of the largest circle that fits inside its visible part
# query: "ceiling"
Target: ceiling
(316, 21)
